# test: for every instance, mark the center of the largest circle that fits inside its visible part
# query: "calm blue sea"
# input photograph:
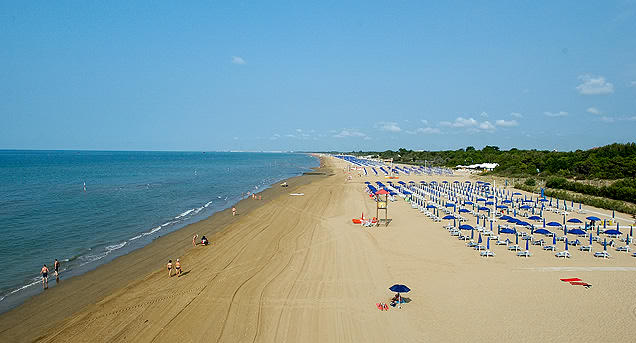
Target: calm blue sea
(129, 199)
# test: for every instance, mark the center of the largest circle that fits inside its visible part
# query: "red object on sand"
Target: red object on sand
(356, 221)
(382, 192)
(570, 280)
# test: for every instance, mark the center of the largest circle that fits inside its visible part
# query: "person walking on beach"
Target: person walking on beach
(56, 269)
(45, 277)
(233, 211)
(194, 240)
(169, 266)
(177, 267)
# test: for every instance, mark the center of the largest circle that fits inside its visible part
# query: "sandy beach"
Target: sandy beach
(293, 268)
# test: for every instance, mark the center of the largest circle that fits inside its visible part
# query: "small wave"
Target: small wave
(208, 204)
(152, 231)
(33, 283)
(136, 237)
(199, 209)
(115, 246)
(184, 213)
(92, 258)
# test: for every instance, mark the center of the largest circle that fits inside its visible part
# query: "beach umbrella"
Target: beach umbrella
(590, 238)
(448, 217)
(598, 230)
(397, 288)
(479, 239)
(527, 244)
(604, 243)
(553, 224)
(488, 243)
(554, 240)
(463, 210)
(631, 231)
(465, 227)
(534, 218)
(604, 224)
(472, 234)
(574, 220)
(612, 213)
(612, 232)
(516, 238)
(576, 232)
(507, 230)
(566, 243)
(593, 218)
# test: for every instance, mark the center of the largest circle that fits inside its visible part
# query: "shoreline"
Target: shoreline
(52, 306)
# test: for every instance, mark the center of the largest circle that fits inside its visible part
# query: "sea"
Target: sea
(85, 208)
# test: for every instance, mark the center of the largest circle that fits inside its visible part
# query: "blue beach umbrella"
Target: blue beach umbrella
(516, 238)
(577, 232)
(590, 238)
(575, 220)
(479, 239)
(605, 244)
(553, 224)
(465, 227)
(488, 243)
(399, 288)
(566, 243)
(527, 245)
(507, 230)
(534, 218)
(472, 234)
(448, 217)
(613, 232)
(593, 218)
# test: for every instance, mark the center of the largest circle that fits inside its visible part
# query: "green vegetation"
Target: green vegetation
(530, 182)
(610, 162)
(609, 204)
(620, 190)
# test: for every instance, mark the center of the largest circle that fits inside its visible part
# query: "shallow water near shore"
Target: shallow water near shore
(85, 208)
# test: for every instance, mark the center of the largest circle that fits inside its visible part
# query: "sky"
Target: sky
(316, 76)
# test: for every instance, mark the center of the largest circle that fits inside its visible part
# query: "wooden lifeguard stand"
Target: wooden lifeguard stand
(382, 206)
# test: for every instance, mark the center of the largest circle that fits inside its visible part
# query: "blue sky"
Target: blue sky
(330, 75)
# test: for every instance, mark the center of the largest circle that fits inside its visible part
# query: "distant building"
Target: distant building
(479, 166)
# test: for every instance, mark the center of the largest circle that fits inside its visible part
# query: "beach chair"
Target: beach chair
(602, 254)
(480, 247)
(540, 242)
(560, 239)
(549, 248)
(524, 253)
(624, 249)
(500, 242)
(454, 233)
(471, 244)
(463, 238)
(487, 253)
(514, 248)
(585, 248)
(564, 254)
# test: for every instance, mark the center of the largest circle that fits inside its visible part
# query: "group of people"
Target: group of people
(204, 240)
(45, 273)
(176, 266)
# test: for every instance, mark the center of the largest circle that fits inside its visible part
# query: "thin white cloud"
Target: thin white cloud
(594, 85)
(506, 123)
(349, 133)
(607, 119)
(299, 130)
(556, 114)
(425, 122)
(593, 110)
(424, 130)
(388, 126)
(274, 137)
(486, 126)
(470, 124)
(238, 60)
(516, 114)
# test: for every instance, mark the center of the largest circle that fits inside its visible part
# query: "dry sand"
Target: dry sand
(297, 270)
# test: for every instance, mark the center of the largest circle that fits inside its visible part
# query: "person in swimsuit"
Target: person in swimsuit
(177, 266)
(45, 277)
(56, 269)
(169, 266)
(194, 240)
(233, 211)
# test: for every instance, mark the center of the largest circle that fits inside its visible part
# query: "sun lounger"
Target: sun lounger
(500, 242)
(602, 254)
(560, 239)
(625, 248)
(487, 253)
(524, 254)
(471, 244)
(549, 248)
(538, 242)
(564, 254)
(480, 247)
(585, 248)
(463, 238)
(514, 248)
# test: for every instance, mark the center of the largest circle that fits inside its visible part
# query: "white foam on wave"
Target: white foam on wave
(93, 258)
(199, 209)
(208, 204)
(115, 246)
(136, 237)
(152, 231)
(184, 213)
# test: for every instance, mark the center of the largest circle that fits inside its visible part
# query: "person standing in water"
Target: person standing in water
(45, 277)
(56, 269)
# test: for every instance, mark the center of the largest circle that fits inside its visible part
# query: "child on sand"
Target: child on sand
(233, 211)
(169, 266)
